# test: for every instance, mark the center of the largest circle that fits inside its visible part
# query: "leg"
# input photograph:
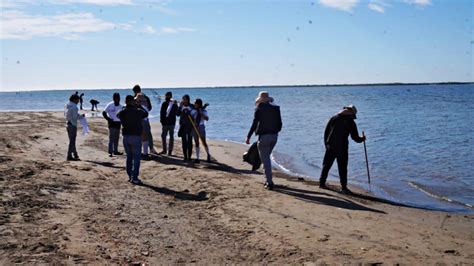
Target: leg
(342, 161)
(128, 151)
(111, 140)
(164, 132)
(136, 144)
(196, 142)
(116, 139)
(265, 145)
(327, 163)
(189, 137)
(184, 146)
(72, 134)
(150, 138)
(170, 148)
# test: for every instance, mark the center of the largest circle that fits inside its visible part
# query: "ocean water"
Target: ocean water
(420, 138)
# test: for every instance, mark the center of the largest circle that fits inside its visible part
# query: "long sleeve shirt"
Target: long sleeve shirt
(72, 113)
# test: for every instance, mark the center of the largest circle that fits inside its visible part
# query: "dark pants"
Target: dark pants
(164, 133)
(342, 160)
(187, 143)
(114, 136)
(72, 133)
(133, 146)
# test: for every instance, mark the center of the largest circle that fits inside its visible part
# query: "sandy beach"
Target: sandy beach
(85, 212)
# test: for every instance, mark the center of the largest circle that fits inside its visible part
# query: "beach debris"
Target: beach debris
(451, 251)
(145, 253)
(324, 239)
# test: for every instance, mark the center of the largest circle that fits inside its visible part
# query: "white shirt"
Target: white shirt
(72, 113)
(111, 109)
(194, 114)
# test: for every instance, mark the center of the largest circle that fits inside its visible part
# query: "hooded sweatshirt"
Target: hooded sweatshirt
(338, 129)
(72, 113)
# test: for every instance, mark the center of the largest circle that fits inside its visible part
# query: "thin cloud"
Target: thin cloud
(376, 8)
(170, 30)
(418, 2)
(148, 29)
(22, 26)
(344, 5)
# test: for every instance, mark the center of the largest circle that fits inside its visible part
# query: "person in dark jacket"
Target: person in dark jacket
(168, 112)
(110, 114)
(336, 135)
(266, 124)
(185, 127)
(138, 90)
(131, 117)
(81, 99)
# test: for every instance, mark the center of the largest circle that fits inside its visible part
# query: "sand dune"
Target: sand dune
(54, 211)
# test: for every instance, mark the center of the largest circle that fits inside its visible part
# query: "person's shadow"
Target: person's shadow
(200, 196)
(323, 198)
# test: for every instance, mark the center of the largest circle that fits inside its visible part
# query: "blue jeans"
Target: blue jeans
(265, 145)
(133, 146)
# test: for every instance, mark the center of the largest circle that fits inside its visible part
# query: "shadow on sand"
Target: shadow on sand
(323, 198)
(106, 164)
(201, 196)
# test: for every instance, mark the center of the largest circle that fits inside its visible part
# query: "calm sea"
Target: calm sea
(419, 138)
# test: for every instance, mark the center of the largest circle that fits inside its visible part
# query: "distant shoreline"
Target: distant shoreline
(262, 86)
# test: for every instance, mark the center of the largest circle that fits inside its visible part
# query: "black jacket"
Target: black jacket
(185, 125)
(171, 119)
(131, 118)
(267, 120)
(337, 133)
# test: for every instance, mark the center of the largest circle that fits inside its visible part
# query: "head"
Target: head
(116, 98)
(198, 103)
(168, 96)
(263, 97)
(129, 100)
(186, 99)
(352, 109)
(137, 89)
(77, 93)
(74, 98)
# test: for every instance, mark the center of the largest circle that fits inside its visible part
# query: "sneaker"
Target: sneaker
(70, 158)
(153, 151)
(110, 155)
(269, 186)
(346, 191)
(323, 186)
(162, 153)
(208, 158)
(118, 153)
(136, 181)
(145, 157)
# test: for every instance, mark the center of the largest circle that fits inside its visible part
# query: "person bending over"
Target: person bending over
(336, 135)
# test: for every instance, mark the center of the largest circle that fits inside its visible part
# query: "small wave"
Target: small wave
(442, 198)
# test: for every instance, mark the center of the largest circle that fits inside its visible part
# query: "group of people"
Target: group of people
(267, 123)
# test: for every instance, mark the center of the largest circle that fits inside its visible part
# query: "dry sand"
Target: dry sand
(54, 211)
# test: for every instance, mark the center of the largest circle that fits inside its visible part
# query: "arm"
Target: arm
(255, 122)
(148, 102)
(280, 123)
(104, 114)
(178, 112)
(204, 115)
(163, 112)
(355, 133)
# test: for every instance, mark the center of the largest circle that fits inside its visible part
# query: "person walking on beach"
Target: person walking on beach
(72, 114)
(168, 122)
(336, 135)
(136, 90)
(110, 114)
(199, 115)
(266, 124)
(131, 117)
(185, 127)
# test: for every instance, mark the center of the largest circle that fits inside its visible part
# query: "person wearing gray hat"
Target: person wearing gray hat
(336, 135)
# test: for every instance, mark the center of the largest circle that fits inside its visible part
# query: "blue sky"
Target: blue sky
(56, 44)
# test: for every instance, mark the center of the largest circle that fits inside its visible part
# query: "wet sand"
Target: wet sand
(55, 211)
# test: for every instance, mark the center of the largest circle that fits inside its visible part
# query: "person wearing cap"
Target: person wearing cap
(266, 124)
(336, 135)
(110, 114)
(168, 112)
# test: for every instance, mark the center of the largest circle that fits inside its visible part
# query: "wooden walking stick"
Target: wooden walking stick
(366, 160)
(199, 135)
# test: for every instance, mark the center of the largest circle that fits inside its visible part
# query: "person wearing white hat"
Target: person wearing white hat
(336, 135)
(266, 124)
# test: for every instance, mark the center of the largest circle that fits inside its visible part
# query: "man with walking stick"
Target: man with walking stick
(336, 135)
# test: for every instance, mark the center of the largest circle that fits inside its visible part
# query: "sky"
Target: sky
(99, 44)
